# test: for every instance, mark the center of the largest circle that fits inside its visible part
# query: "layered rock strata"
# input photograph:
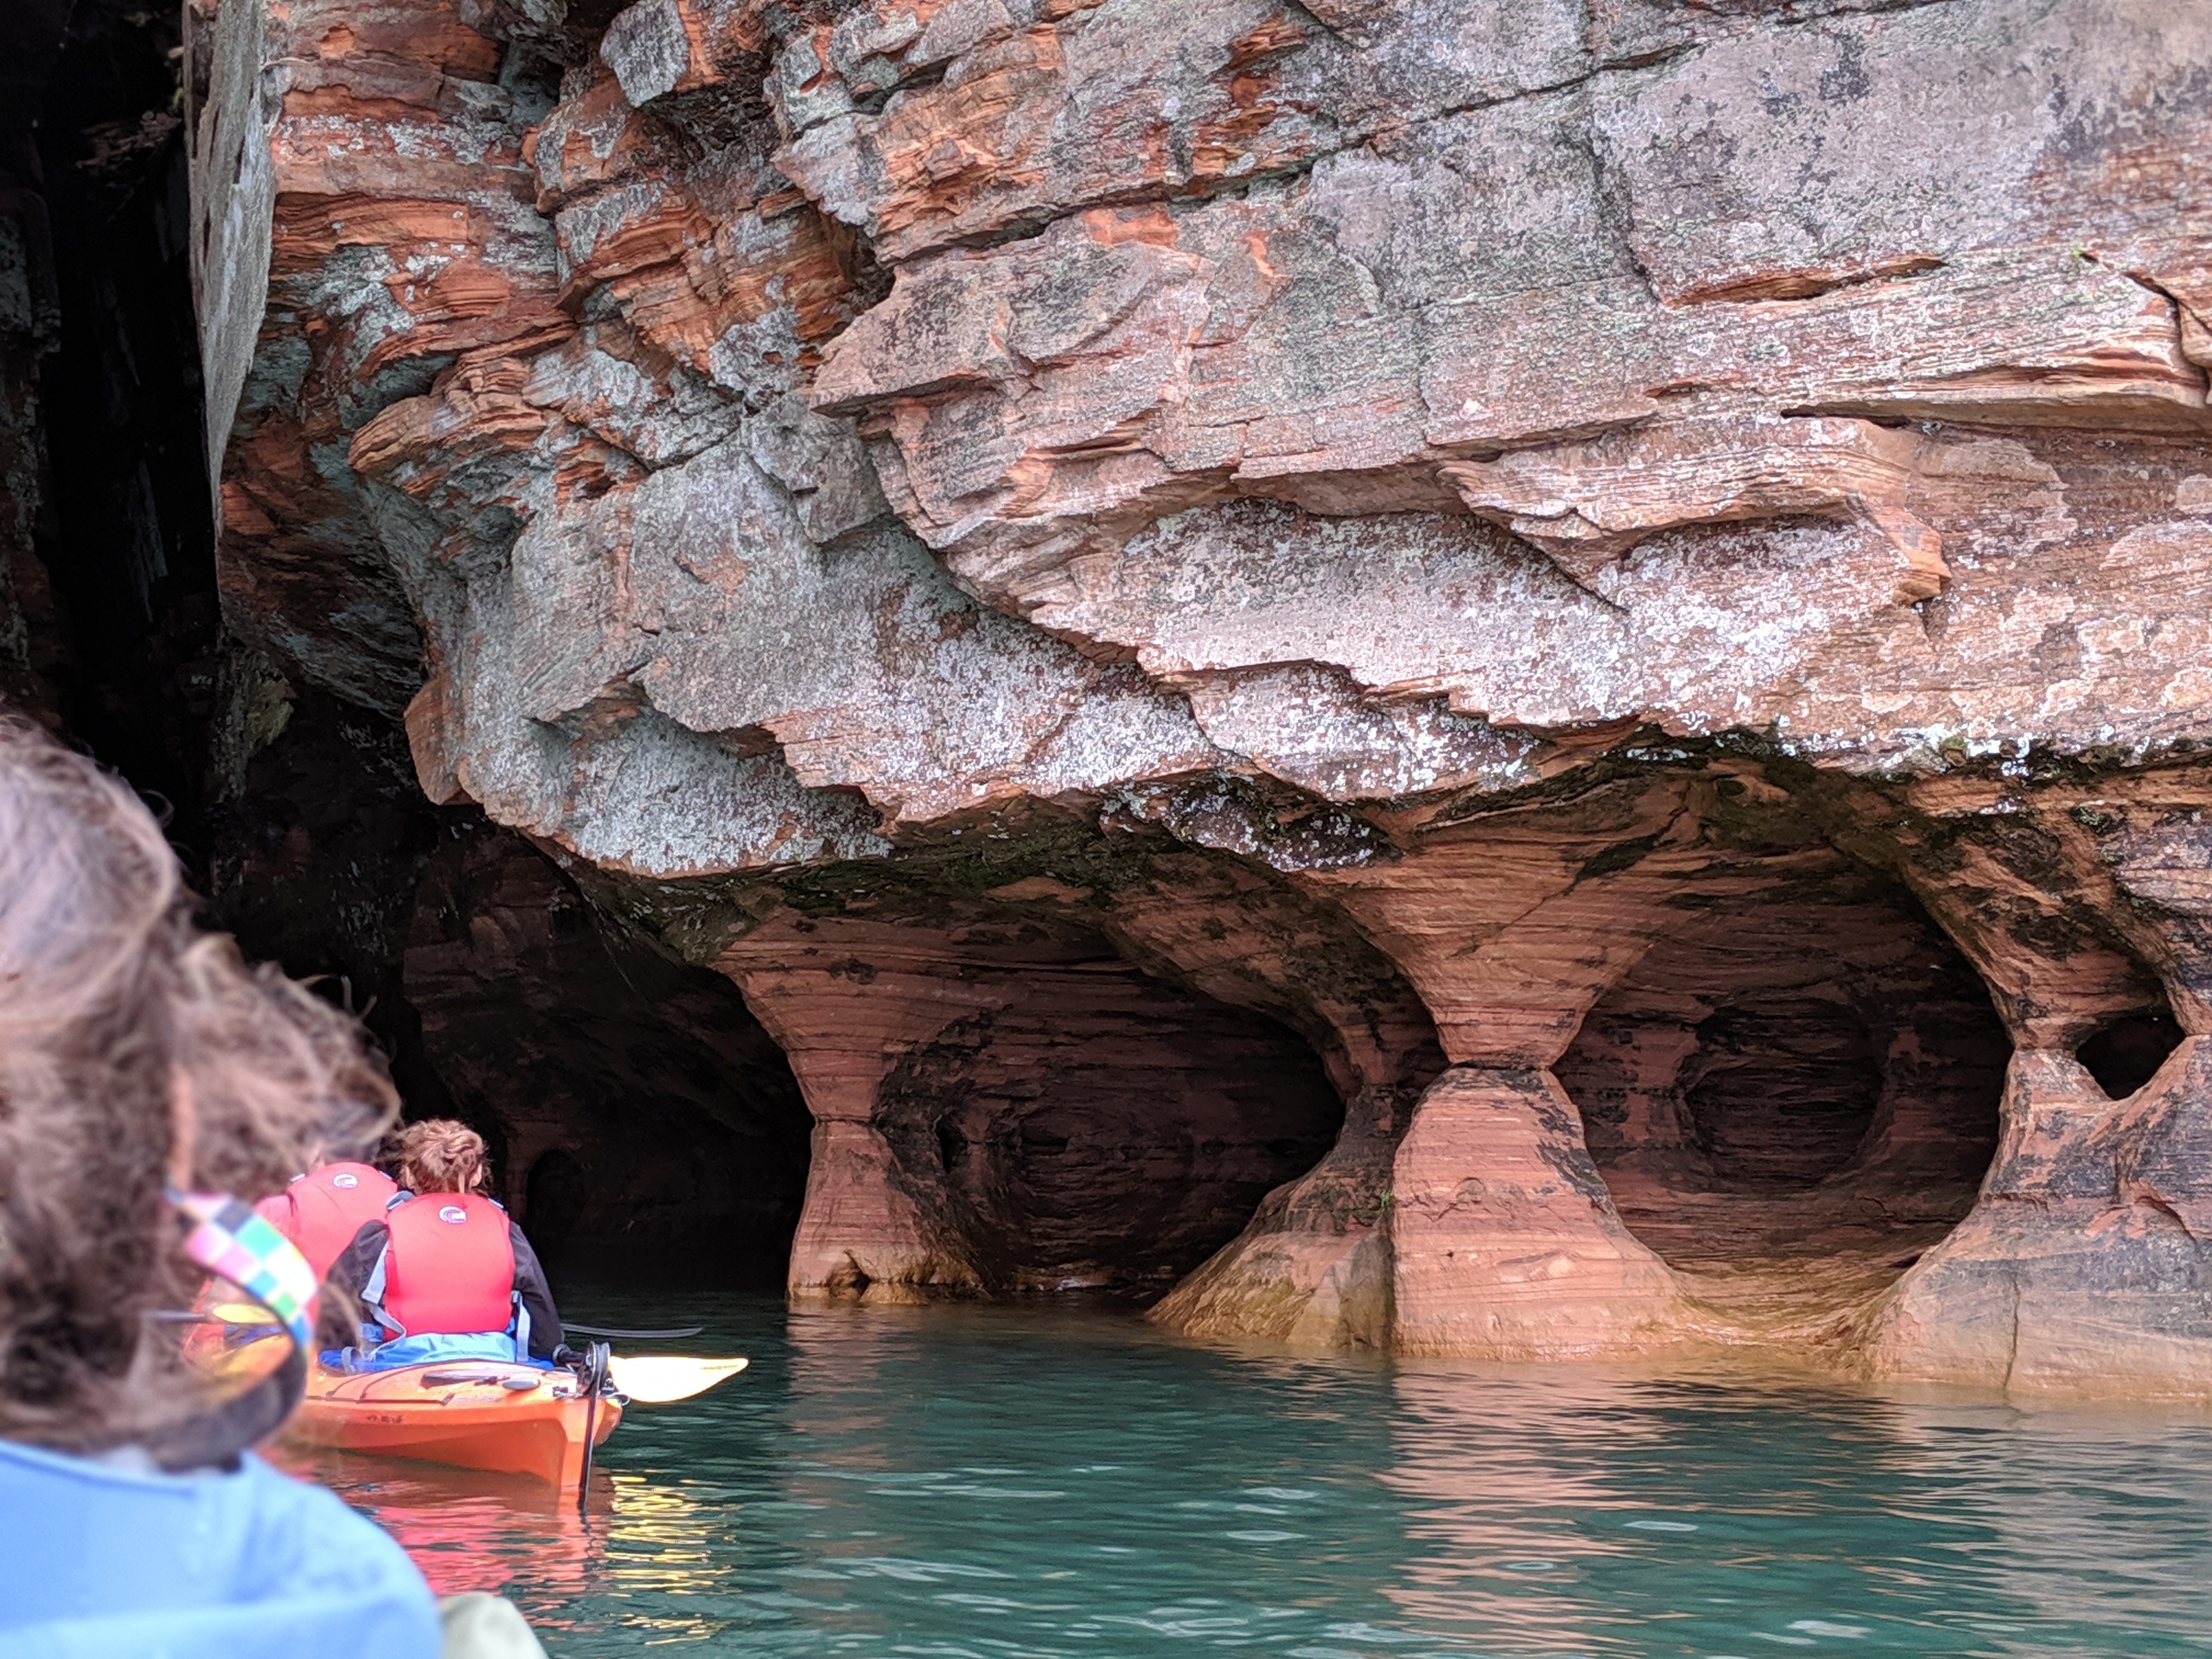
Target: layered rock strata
(1634, 576)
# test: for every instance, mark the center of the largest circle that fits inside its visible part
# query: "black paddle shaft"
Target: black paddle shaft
(631, 1336)
(596, 1360)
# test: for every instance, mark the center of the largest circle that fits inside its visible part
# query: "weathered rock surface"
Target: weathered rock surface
(1638, 577)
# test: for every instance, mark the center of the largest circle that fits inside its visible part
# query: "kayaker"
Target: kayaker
(323, 1210)
(145, 1070)
(446, 1273)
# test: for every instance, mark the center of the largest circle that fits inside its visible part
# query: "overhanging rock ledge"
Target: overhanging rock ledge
(1518, 681)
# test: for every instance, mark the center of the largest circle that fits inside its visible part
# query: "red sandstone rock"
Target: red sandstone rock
(1648, 555)
(1504, 1242)
(1589, 504)
(2079, 1268)
(1017, 1112)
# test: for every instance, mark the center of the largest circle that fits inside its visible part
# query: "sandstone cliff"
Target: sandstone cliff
(1555, 656)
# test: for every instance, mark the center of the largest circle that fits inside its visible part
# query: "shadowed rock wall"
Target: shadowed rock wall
(494, 992)
(634, 1109)
(109, 622)
(1635, 575)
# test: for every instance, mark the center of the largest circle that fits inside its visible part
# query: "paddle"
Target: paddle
(242, 1322)
(632, 1336)
(239, 1330)
(657, 1379)
(653, 1379)
(597, 1358)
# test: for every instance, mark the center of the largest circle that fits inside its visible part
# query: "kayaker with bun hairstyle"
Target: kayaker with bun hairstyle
(446, 1273)
(146, 1074)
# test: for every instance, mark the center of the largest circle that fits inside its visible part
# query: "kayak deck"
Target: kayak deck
(463, 1413)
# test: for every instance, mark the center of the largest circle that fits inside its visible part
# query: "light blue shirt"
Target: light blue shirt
(102, 1562)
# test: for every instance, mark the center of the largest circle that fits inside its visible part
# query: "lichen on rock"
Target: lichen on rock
(1487, 681)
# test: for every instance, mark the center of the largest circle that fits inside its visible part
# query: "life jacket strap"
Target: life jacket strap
(372, 1294)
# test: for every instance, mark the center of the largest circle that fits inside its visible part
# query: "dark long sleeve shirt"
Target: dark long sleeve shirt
(353, 1271)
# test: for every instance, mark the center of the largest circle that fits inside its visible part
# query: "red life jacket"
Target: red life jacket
(322, 1211)
(450, 1268)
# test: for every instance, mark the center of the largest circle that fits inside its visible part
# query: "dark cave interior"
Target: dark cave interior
(2124, 1053)
(1104, 1130)
(636, 1112)
(1809, 1069)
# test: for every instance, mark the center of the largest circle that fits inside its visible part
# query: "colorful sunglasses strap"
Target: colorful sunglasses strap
(231, 1241)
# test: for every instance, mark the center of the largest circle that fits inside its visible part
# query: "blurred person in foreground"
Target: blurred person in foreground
(146, 1074)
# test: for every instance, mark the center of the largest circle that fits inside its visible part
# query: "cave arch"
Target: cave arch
(1808, 1070)
(1103, 1129)
(640, 1118)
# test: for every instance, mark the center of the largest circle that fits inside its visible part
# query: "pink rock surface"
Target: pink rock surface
(1124, 563)
(1526, 1260)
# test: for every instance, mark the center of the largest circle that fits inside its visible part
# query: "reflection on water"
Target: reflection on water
(993, 1484)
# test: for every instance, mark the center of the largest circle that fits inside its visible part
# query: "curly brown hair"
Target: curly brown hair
(134, 1049)
(440, 1155)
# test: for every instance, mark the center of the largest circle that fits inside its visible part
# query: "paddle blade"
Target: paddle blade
(658, 1378)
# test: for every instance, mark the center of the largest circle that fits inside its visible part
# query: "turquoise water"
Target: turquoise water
(1001, 1483)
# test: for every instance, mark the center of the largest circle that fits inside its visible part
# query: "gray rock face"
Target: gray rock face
(1489, 484)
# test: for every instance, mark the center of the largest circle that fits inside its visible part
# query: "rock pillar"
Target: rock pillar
(844, 1008)
(1505, 1243)
(865, 1233)
(2087, 1263)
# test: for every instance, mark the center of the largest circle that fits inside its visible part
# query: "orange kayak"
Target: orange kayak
(475, 1414)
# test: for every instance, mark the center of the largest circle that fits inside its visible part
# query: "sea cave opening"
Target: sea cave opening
(1794, 1094)
(1104, 1130)
(639, 1116)
(640, 1121)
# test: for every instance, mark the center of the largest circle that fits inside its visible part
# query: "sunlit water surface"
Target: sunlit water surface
(997, 1483)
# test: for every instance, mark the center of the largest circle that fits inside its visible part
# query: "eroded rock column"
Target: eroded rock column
(1504, 1241)
(843, 1019)
(2087, 1263)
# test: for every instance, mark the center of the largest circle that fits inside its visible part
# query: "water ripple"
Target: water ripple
(1008, 1483)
